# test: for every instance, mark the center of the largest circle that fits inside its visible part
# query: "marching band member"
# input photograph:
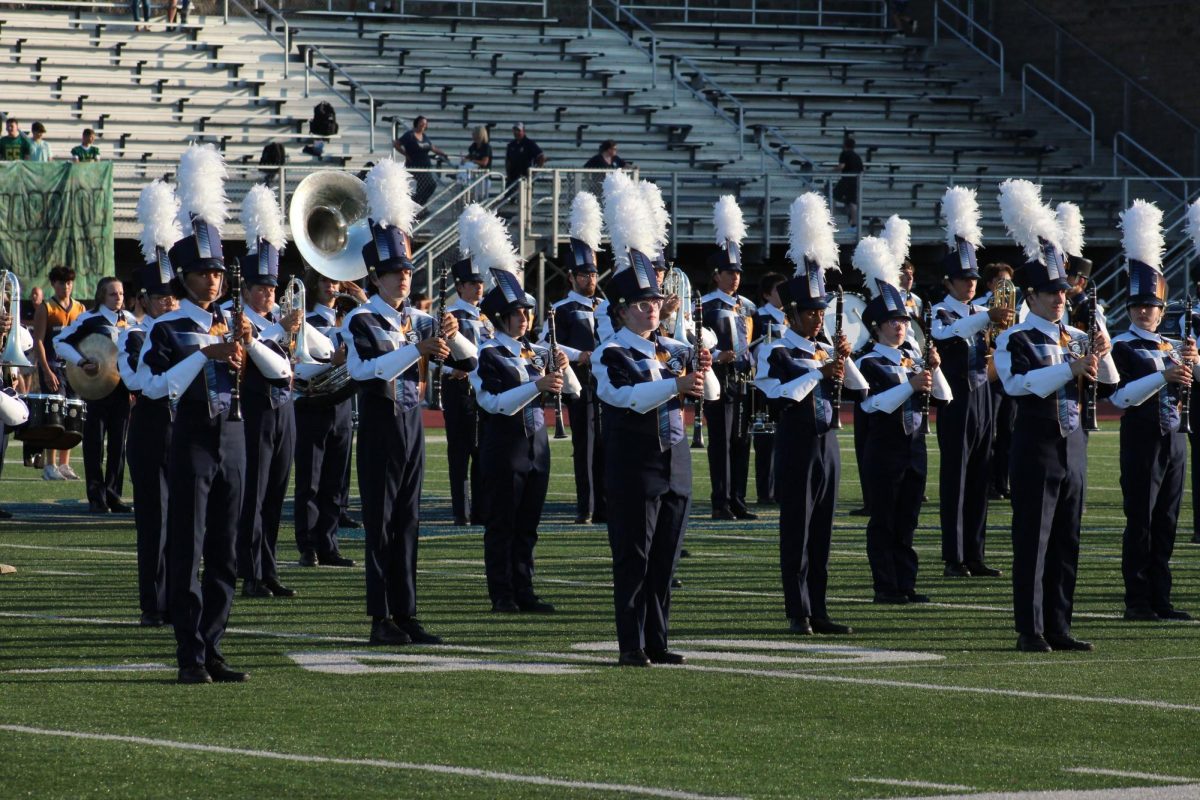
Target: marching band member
(1189, 323)
(895, 455)
(1004, 409)
(729, 316)
(769, 322)
(270, 418)
(107, 417)
(150, 419)
(641, 377)
(195, 364)
(459, 401)
(798, 373)
(577, 327)
(964, 425)
(388, 338)
(1038, 363)
(1153, 452)
(511, 380)
(323, 434)
(50, 319)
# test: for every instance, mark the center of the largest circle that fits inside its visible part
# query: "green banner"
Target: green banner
(56, 213)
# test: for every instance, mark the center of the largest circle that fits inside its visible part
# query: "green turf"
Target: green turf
(756, 723)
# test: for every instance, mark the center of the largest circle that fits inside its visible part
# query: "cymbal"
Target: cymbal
(103, 351)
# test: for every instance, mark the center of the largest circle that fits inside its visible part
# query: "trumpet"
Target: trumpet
(294, 300)
(1003, 296)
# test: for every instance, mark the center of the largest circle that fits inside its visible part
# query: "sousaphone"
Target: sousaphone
(328, 215)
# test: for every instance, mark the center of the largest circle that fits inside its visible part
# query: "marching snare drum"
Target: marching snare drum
(74, 415)
(46, 418)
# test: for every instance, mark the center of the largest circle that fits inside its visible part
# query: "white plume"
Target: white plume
(157, 210)
(630, 223)
(615, 181)
(1193, 224)
(658, 215)
(263, 218)
(201, 179)
(586, 220)
(483, 238)
(897, 232)
(810, 233)
(876, 260)
(960, 207)
(1027, 218)
(1141, 233)
(1070, 229)
(727, 221)
(389, 196)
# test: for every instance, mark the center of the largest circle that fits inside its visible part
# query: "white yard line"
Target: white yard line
(1130, 793)
(1142, 776)
(307, 758)
(65, 549)
(948, 787)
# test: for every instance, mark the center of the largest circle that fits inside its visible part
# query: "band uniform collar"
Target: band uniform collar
(633, 341)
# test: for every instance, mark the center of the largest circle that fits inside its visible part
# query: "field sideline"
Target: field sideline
(925, 701)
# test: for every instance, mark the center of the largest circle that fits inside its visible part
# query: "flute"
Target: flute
(560, 431)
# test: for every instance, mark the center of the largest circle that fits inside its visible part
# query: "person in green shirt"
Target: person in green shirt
(13, 146)
(87, 151)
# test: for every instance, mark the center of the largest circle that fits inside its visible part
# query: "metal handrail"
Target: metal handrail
(698, 93)
(1090, 129)
(652, 53)
(714, 14)
(471, 4)
(355, 85)
(938, 21)
(466, 193)
(286, 43)
(1121, 136)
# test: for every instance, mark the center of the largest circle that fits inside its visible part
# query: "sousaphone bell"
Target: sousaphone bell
(328, 216)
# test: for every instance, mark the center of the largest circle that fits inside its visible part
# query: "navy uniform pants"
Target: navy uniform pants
(1048, 477)
(862, 422)
(322, 455)
(808, 469)
(462, 449)
(150, 436)
(1152, 467)
(516, 485)
(728, 451)
(895, 471)
(964, 432)
(270, 447)
(1005, 409)
(106, 417)
(391, 464)
(587, 453)
(205, 468)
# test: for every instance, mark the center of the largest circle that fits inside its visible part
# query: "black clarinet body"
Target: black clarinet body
(560, 430)
(698, 403)
(1185, 391)
(836, 400)
(435, 373)
(1090, 387)
(235, 321)
(925, 356)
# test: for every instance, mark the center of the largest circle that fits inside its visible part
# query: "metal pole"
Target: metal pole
(936, 4)
(589, 18)
(675, 213)
(555, 199)
(225, 12)
(307, 68)
(766, 218)
(429, 272)
(541, 282)
(741, 131)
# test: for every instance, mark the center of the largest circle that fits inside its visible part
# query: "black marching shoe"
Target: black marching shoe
(5, 514)
(347, 521)
(676, 583)
(534, 605)
(890, 599)
(599, 519)
(505, 607)
(978, 569)
(664, 657)
(308, 558)
(1140, 615)
(276, 588)
(633, 658)
(384, 631)
(460, 522)
(221, 673)
(583, 519)
(416, 632)
(253, 588)
(1065, 641)
(955, 570)
(1032, 643)
(826, 625)
(861, 511)
(97, 508)
(800, 626)
(193, 675)
(914, 597)
(1196, 538)
(120, 508)
(723, 514)
(152, 619)
(335, 560)
(741, 512)
(1175, 614)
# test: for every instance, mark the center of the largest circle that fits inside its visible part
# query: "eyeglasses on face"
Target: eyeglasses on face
(646, 306)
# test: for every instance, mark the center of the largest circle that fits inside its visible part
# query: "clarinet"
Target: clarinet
(926, 396)
(1090, 387)
(435, 389)
(235, 320)
(836, 400)
(1185, 391)
(560, 431)
(698, 423)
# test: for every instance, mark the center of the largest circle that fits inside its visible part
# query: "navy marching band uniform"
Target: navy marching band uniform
(769, 325)
(106, 417)
(515, 450)
(1189, 321)
(461, 410)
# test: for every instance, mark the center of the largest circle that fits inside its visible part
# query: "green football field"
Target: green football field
(923, 701)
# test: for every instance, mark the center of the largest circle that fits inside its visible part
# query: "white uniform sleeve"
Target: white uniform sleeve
(271, 364)
(963, 328)
(1137, 392)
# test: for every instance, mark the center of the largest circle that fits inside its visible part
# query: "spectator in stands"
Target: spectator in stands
(87, 151)
(521, 154)
(479, 157)
(416, 146)
(606, 158)
(13, 145)
(846, 190)
(174, 9)
(142, 6)
(901, 17)
(39, 148)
